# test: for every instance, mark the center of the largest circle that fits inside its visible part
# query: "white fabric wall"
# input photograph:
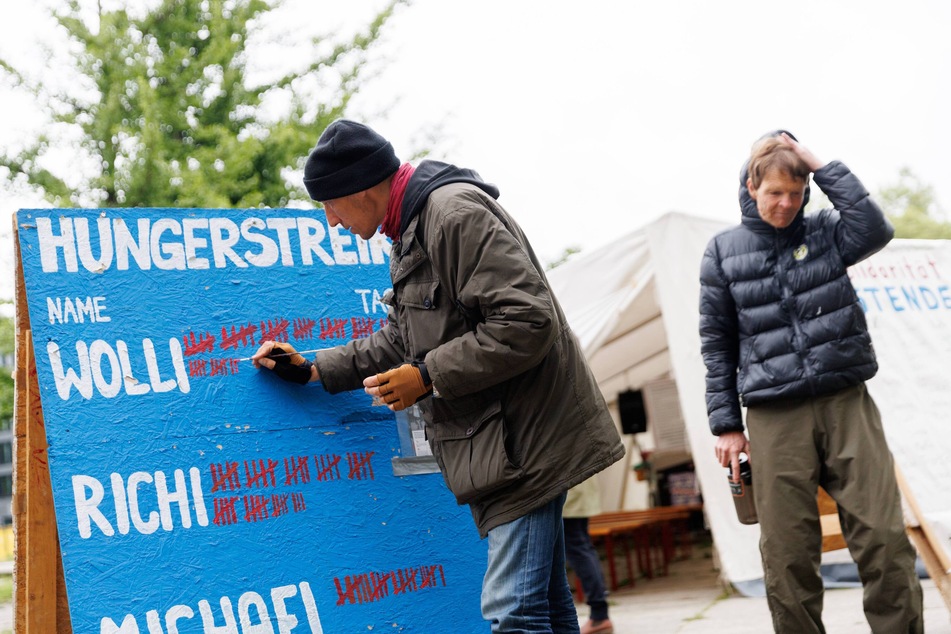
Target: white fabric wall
(677, 244)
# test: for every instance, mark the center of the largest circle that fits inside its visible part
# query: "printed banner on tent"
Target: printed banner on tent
(906, 292)
(194, 493)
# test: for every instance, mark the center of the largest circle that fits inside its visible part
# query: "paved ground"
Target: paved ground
(690, 600)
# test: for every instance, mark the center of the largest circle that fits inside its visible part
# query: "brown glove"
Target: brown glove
(404, 385)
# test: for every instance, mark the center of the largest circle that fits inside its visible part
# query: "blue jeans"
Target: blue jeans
(583, 558)
(526, 586)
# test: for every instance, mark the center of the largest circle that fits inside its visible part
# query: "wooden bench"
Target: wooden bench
(653, 532)
(610, 531)
(829, 520)
(653, 535)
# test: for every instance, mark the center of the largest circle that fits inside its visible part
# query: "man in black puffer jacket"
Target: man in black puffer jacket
(784, 335)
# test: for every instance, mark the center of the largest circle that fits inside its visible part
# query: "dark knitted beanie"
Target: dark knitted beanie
(349, 158)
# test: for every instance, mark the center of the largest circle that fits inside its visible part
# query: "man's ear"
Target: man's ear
(750, 188)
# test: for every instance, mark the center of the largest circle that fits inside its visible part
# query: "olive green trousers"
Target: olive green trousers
(835, 441)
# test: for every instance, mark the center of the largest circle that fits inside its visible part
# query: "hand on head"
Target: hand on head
(802, 152)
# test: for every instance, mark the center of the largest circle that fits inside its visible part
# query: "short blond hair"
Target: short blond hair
(771, 153)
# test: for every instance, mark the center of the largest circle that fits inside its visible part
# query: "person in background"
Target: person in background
(513, 414)
(782, 333)
(584, 501)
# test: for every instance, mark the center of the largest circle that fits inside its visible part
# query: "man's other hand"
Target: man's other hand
(728, 449)
(399, 388)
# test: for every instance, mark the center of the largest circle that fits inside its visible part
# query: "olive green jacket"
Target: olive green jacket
(517, 417)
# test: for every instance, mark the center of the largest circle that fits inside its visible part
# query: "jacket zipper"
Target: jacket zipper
(787, 303)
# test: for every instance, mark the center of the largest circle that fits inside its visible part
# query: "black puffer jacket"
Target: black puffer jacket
(779, 317)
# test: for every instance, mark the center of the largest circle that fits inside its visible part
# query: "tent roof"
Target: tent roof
(610, 298)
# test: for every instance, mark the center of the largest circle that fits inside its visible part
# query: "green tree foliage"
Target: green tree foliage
(566, 255)
(165, 113)
(913, 208)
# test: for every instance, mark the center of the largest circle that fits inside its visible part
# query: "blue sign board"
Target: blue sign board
(194, 493)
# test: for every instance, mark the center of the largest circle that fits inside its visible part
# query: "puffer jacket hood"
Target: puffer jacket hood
(750, 212)
(431, 175)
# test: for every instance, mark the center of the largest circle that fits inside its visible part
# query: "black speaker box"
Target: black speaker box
(633, 416)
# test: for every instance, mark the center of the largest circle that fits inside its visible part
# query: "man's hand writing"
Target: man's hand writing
(285, 362)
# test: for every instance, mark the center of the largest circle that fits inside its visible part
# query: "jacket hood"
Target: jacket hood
(748, 209)
(431, 175)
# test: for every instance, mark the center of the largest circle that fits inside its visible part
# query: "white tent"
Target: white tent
(634, 306)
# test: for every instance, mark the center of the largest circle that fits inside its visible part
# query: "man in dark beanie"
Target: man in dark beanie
(513, 414)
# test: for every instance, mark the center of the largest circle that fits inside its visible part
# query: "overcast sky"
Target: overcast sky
(596, 117)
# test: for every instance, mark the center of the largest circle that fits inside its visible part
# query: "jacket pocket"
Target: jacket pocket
(420, 295)
(470, 450)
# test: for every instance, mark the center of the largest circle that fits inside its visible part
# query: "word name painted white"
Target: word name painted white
(200, 243)
(287, 608)
(89, 493)
(108, 368)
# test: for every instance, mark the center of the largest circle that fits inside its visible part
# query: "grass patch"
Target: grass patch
(6, 588)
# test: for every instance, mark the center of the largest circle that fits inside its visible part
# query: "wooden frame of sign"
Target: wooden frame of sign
(935, 558)
(39, 596)
(918, 529)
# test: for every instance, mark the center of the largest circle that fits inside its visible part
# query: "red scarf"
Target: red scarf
(391, 222)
